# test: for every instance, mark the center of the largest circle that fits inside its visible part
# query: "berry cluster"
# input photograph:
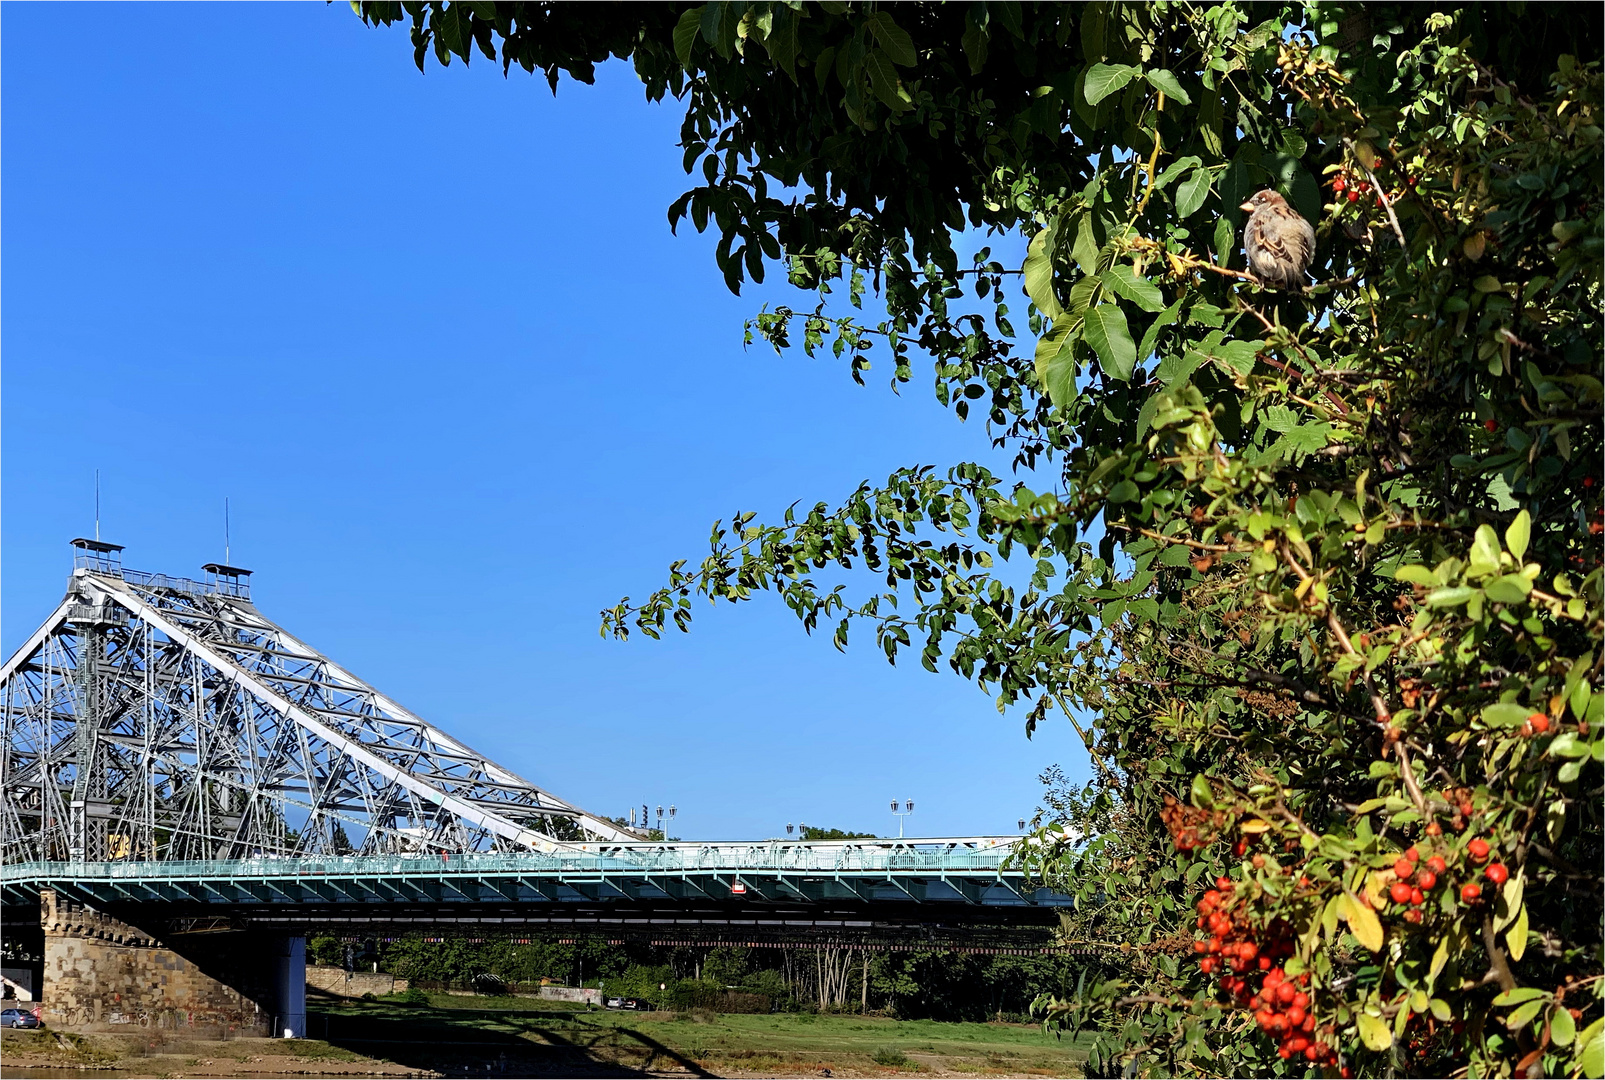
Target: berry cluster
(1354, 188)
(1415, 881)
(1244, 954)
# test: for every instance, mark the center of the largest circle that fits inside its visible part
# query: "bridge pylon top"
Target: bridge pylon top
(157, 717)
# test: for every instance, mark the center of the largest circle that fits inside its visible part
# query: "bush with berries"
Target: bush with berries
(1314, 572)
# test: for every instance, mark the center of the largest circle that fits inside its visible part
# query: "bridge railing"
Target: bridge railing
(983, 855)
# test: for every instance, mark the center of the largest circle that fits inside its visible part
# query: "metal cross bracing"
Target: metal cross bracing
(159, 718)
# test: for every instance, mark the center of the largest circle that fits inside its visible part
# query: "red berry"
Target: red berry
(1470, 892)
(1285, 993)
(1412, 915)
(1413, 853)
(1417, 897)
(1301, 999)
(1207, 964)
(1491, 425)
(1354, 195)
(1588, 481)
(1404, 868)
(1400, 892)
(1437, 866)
(1434, 829)
(1478, 849)
(1539, 721)
(1295, 1015)
(1497, 873)
(1425, 880)
(1224, 884)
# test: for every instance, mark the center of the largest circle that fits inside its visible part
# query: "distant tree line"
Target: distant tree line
(937, 985)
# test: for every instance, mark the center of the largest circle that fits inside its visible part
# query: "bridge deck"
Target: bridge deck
(836, 883)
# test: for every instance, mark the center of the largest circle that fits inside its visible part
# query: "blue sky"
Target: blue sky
(432, 337)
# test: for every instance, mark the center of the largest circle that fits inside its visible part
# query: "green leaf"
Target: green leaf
(1506, 714)
(1450, 597)
(1524, 1015)
(1107, 331)
(1167, 84)
(1516, 536)
(1517, 996)
(1038, 271)
(1374, 1031)
(1591, 1059)
(883, 80)
(1203, 794)
(1105, 79)
(1484, 551)
(1562, 1028)
(892, 38)
(1123, 280)
(1192, 193)
(1125, 491)
(1510, 589)
(685, 34)
(1415, 575)
(1055, 361)
(1150, 337)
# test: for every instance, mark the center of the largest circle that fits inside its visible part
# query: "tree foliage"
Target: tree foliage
(1320, 571)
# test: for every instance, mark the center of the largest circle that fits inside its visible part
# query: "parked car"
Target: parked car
(19, 1018)
(615, 1003)
(635, 1003)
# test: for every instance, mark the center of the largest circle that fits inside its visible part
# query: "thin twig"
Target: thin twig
(1085, 738)
(1382, 196)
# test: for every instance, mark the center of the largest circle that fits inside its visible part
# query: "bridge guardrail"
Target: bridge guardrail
(983, 855)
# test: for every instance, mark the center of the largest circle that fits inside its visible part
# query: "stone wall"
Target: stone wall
(588, 995)
(102, 974)
(353, 984)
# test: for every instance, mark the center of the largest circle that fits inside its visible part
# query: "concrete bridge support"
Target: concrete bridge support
(104, 974)
(290, 988)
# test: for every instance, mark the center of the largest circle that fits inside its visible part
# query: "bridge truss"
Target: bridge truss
(160, 718)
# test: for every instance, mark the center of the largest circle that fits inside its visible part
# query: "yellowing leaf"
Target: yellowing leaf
(1516, 938)
(1255, 825)
(1376, 890)
(1591, 1057)
(1374, 1032)
(1440, 957)
(1364, 924)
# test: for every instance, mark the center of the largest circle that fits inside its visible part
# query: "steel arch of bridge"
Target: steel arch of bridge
(160, 718)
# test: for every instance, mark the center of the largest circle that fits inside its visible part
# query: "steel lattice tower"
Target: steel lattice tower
(153, 717)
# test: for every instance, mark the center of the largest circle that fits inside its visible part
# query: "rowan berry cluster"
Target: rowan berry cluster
(1250, 961)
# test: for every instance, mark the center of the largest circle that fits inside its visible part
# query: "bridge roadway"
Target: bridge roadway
(803, 889)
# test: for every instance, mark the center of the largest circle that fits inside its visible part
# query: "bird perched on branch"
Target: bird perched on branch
(1279, 243)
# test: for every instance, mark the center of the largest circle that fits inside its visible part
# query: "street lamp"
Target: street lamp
(789, 828)
(1022, 824)
(661, 834)
(901, 814)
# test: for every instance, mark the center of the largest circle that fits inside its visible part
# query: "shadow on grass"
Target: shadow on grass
(491, 1042)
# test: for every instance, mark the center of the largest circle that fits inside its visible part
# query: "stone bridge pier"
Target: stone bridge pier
(102, 973)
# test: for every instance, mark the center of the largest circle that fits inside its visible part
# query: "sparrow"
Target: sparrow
(1278, 242)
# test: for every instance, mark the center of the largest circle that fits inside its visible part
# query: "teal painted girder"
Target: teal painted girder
(950, 872)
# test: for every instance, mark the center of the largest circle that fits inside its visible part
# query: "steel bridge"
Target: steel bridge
(173, 758)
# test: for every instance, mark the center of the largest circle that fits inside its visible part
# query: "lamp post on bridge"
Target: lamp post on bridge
(901, 814)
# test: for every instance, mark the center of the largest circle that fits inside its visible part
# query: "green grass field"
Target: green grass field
(455, 1034)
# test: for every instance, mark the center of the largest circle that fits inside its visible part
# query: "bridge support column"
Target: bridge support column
(102, 973)
(291, 988)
